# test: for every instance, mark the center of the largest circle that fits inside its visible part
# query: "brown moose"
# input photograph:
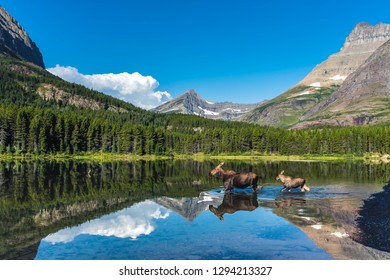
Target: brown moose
(290, 182)
(231, 179)
(233, 202)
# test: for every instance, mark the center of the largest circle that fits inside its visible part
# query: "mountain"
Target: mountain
(363, 98)
(15, 41)
(192, 103)
(290, 108)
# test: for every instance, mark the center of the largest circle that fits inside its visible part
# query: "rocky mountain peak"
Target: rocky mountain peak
(364, 31)
(359, 45)
(15, 41)
(191, 94)
(192, 103)
(367, 34)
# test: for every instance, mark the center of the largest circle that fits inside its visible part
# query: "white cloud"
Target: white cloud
(127, 223)
(134, 88)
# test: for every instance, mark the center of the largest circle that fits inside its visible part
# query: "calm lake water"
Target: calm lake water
(161, 210)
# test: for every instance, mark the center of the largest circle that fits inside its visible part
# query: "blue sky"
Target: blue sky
(243, 51)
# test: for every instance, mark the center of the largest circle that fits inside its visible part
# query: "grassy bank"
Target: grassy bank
(87, 156)
(200, 156)
(278, 157)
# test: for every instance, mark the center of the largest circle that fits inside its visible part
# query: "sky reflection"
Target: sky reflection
(127, 223)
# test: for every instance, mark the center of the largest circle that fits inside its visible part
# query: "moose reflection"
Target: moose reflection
(231, 179)
(288, 202)
(233, 202)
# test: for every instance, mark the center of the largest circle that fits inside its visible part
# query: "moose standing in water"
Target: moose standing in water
(231, 179)
(290, 182)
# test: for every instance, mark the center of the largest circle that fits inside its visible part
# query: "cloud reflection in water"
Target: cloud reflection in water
(127, 223)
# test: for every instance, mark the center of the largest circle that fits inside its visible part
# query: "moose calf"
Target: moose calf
(290, 182)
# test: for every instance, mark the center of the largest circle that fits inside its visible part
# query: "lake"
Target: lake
(173, 209)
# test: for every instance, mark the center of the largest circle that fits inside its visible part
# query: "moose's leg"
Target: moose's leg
(254, 185)
(302, 189)
(226, 185)
(306, 188)
(231, 185)
(228, 188)
(283, 189)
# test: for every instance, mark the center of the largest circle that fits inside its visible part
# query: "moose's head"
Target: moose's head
(217, 169)
(278, 177)
(216, 212)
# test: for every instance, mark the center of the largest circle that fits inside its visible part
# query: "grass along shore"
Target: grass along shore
(105, 157)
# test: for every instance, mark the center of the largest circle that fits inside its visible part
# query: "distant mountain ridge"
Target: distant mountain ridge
(192, 103)
(297, 104)
(15, 41)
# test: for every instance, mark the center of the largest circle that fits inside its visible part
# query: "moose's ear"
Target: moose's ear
(222, 163)
(282, 172)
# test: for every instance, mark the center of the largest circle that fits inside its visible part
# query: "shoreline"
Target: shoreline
(104, 157)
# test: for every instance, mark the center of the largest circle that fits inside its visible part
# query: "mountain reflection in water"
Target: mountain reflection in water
(373, 222)
(259, 235)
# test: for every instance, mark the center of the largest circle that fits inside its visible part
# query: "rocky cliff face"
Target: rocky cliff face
(359, 45)
(193, 104)
(15, 41)
(363, 98)
(50, 92)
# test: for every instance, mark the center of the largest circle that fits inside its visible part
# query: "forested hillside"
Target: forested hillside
(48, 131)
(42, 114)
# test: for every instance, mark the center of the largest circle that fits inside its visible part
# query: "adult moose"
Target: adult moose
(231, 179)
(290, 182)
